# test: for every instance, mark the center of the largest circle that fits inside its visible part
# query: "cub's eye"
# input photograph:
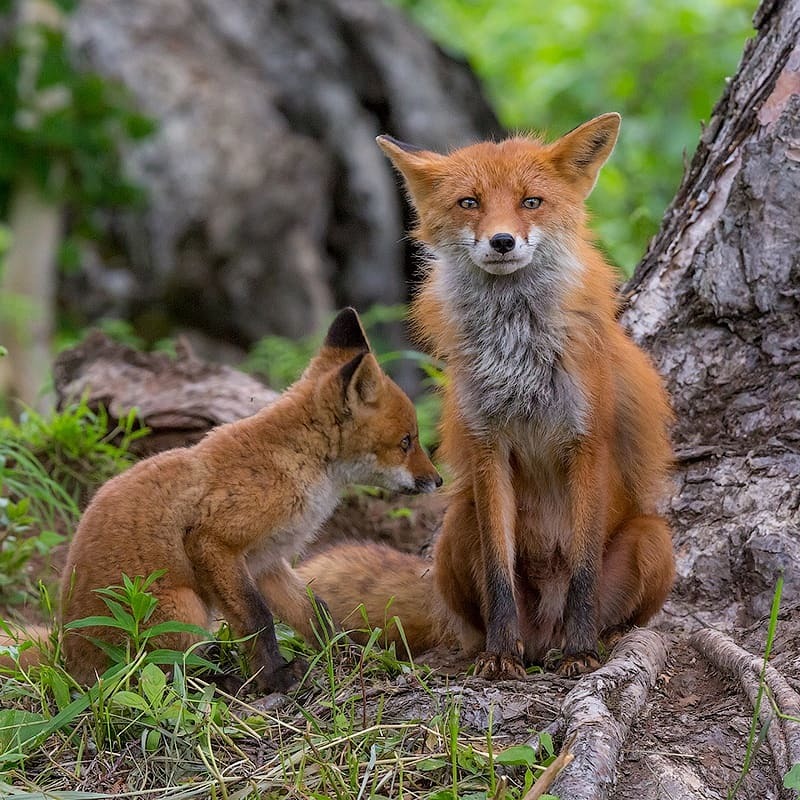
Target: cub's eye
(532, 202)
(405, 443)
(468, 202)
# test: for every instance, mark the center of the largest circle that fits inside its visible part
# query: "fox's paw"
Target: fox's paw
(499, 667)
(283, 678)
(610, 637)
(578, 664)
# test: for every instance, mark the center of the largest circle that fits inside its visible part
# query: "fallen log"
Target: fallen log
(178, 398)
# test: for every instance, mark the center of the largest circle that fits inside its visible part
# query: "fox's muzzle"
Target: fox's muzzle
(427, 485)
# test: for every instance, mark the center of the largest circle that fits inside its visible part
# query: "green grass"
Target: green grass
(757, 733)
(48, 464)
(139, 732)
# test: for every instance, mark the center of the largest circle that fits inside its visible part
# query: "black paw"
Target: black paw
(578, 664)
(281, 679)
(499, 667)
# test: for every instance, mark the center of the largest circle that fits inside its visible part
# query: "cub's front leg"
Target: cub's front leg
(224, 573)
(495, 506)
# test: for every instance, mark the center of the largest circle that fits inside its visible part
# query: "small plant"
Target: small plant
(132, 607)
(17, 545)
(756, 737)
(48, 463)
(75, 445)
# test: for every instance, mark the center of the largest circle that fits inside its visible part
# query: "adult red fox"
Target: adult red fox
(223, 516)
(554, 421)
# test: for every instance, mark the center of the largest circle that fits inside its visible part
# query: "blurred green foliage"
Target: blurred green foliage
(48, 465)
(61, 126)
(551, 66)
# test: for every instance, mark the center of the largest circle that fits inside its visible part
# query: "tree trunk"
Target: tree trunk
(28, 287)
(716, 300)
(28, 276)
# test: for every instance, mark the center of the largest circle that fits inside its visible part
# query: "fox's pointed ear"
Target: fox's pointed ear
(419, 167)
(361, 379)
(579, 154)
(346, 332)
(344, 340)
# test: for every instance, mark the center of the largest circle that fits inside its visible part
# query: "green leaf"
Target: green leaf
(152, 740)
(173, 626)
(96, 622)
(546, 743)
(153, 681)
(517, 755)
(430, 764)
(791, 780)
(127, 699)
(18, 728)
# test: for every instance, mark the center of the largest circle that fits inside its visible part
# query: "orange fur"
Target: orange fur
(222, 517)
(554, 423)
(13, 637)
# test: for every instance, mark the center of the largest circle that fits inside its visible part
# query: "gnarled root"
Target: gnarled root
(600, 710)
(783, 734)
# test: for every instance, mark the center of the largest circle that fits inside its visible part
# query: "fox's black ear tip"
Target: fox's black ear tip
(346, 331)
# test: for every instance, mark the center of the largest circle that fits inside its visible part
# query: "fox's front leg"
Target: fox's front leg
(226, 576)
(495, 505)
(588, 505)
(286, 593)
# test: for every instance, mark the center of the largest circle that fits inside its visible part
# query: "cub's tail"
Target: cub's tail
(358, 580)
(21, 646)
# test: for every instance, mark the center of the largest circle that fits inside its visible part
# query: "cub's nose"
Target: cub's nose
(427, 484)
(502, 242)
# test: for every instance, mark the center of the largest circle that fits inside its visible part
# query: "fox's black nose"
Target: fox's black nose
(502, 242)
(428, 484)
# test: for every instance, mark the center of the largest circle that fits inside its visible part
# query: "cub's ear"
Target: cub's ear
(346, 332)
(579, 154)
(420, 168)
(344, 340)
(361, 379)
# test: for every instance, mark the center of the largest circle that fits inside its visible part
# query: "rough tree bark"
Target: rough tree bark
(716, 300)
(269, 203)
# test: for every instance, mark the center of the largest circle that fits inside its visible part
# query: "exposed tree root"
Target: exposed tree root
(599, 712)
(783, 734)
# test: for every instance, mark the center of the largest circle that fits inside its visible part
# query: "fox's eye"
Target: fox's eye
(468, 202)
(532, 202)
(405, 443)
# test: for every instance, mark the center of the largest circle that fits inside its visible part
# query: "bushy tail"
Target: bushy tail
(13, 649)
(388, 584)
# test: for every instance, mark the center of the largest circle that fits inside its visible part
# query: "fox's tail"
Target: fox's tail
(389, 585)
(22, 647)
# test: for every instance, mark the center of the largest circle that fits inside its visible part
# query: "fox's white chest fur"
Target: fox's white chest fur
(511, 337)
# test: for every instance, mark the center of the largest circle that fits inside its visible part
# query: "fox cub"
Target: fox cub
(554, 423)
(223, 516)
